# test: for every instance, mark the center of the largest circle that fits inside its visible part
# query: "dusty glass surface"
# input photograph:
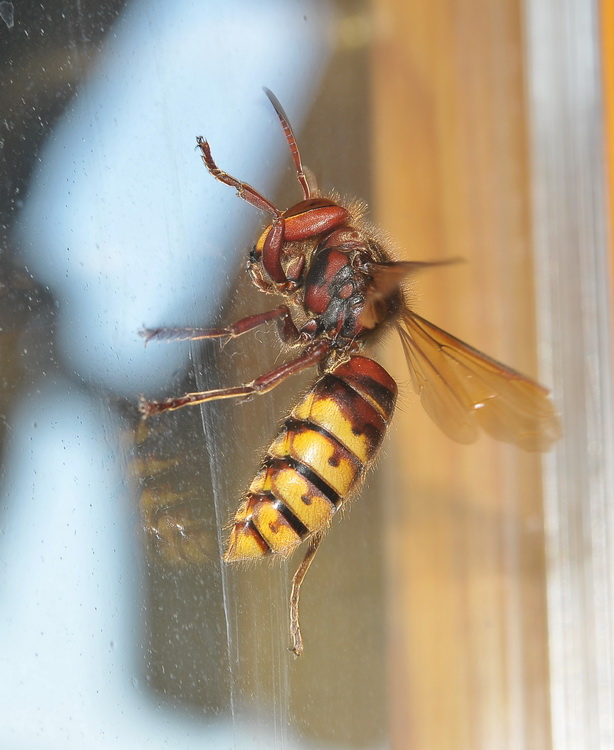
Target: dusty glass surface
(123, 627)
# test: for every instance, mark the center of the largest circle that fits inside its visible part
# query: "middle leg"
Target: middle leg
(312, 355)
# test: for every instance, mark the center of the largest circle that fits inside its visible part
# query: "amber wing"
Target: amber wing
(462, 390)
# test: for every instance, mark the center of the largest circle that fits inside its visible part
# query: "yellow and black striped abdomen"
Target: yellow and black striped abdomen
(317, 460)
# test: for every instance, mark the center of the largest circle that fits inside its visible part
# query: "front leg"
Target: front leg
(294, 273)
(288, 332)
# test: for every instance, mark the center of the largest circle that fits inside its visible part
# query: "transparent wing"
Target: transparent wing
(462, 390)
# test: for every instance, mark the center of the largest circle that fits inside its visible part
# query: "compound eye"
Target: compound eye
(259, 246)
(254, 254)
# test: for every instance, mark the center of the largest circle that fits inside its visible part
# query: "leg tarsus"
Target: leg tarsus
(299, 577)
(181, 334)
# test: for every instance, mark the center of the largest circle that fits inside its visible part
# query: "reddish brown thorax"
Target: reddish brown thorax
(335, 292)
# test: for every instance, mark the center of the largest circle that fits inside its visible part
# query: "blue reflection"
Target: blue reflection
(127, 228)
(122, 221)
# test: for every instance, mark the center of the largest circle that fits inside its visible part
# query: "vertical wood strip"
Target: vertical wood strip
(468, 624)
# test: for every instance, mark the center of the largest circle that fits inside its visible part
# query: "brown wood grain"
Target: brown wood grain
(468, 638)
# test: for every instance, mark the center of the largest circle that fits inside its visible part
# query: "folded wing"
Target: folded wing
(462, 390)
